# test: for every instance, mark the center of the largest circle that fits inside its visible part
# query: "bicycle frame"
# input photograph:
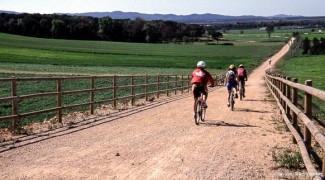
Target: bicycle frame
(241, 91)
(232, 99)
(199, 110)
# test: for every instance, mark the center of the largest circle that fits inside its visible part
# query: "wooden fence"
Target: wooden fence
(158, 84)
(285, 91)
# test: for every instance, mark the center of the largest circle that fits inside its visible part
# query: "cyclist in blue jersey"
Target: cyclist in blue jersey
(231, 81)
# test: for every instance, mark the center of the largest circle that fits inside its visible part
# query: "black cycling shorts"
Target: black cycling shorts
(242, 80)
(198, 90)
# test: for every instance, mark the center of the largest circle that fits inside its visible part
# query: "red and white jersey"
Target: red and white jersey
(201, 76)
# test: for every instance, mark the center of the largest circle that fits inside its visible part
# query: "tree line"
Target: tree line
(314, 47)
(91, 28)
(60, 26)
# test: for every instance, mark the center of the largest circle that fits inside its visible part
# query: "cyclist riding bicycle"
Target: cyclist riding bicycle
(231, 81)
(242, 77)
(200, 79)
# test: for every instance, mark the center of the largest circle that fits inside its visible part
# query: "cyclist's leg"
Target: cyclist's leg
(243, 86)
(196, 95)
(235, 85)
(229, 87)
(205, 93)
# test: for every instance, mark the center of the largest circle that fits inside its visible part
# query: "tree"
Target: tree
(137, 31)
(168, 31)
(45, 27)
(58, 28)
(305, 45)
(270, 29)
(322, 45)
(105, 25)
(31, 26)
(315, 49)
(152, 32)
(216, 35)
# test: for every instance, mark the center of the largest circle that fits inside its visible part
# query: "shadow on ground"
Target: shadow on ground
(222, 123)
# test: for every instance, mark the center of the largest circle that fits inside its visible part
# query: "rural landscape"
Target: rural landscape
(86, 97)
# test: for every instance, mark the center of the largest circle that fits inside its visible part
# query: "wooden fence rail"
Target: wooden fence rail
(172, 83)
(285, 91)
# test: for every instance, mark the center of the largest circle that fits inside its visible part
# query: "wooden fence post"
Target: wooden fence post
(295, 103)
(323, 165)
(308, 112)
(146, 86)
(59, 99)
(14, 104)
(158, 85)
(176, 85)
(132, 90)
(277, 84)
(288, 111)
(114, 91)
(182, 84)
(274, 83)
(189, 88)
(92, 95)
(167, 86)
(281, 92)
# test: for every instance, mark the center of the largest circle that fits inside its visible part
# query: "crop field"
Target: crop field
(311, 36)
(25, 51)
(279, 34)
(36, 57)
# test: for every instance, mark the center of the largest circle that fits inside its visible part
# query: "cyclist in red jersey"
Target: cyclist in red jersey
(242, 77)
(200, 79)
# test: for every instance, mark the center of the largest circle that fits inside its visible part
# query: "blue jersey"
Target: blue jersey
(231, 76)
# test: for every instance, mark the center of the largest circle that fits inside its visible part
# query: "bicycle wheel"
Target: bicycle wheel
(197, 115)
(240, 92)
(232, 100)
(203, 112)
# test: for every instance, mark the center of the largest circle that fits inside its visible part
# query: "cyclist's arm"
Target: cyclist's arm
(226, 79)
(211, 80)
(237, 78)
(245, 72)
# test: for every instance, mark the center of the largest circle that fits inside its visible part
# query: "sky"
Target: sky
(178, 7)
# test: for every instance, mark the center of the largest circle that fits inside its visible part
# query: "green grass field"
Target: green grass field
(124, 56)
(307, 68)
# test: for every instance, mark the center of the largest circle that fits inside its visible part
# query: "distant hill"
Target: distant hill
(197, 18)
(192, 18)
(171, 17)
(9, 12)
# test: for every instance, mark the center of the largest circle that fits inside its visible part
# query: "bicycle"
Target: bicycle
(241, 91)
(200, 111)
(232, 99)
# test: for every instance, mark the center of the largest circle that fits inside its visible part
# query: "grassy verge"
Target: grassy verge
(307, 68)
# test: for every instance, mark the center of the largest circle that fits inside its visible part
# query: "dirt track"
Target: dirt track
(159, 140)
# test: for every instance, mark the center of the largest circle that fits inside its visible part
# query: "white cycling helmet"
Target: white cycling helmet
(201, 64)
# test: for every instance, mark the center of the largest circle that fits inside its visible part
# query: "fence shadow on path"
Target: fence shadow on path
(264, 100)
(85, 124)
(251, 110)
(210, 123)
